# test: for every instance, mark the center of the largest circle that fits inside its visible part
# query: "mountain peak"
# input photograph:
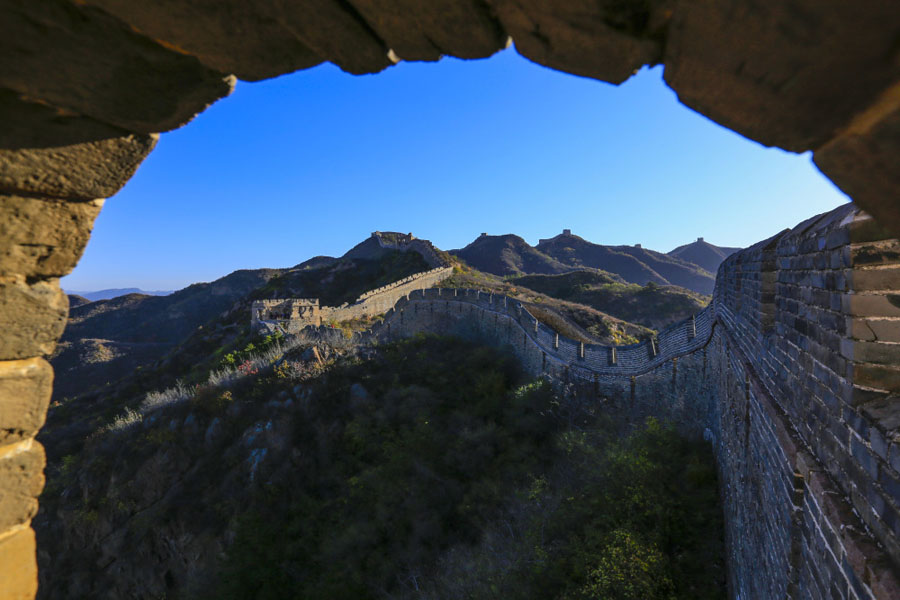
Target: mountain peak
(703, 254)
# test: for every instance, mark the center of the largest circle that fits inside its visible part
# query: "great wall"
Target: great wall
(291, 315)
(93, 82)
(790, 371)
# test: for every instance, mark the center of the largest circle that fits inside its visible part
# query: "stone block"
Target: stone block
(229, 36)
(32, 317)
(872, 352)
(864, 457)
(883, 413)
(881, 377)
(18, 564)
(334, 33)
(885, 279)
(762, 69)
(894, 456)
(874, 329)
(603, 40)
(45, 152)
(25, 388)
(87, 62)
(417, 30)
(21, 481)
(871, 305)
(885, 252)
(856, 395)
(891, 485)
(862, 159)
(43, 237)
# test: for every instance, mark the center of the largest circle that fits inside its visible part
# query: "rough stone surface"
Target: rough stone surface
(25, 388)
(32, 318)
(22, 474)
(864, 160)
(43, 238)
(788, 74)
(17, 563)
(229, 36)
(48, 152)
(604, 40)
(334, 33)
(417, 30)
(87, 62)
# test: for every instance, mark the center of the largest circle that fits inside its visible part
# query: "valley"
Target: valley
(152, 391)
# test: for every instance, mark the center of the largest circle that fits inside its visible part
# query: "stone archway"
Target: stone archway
(86, 84)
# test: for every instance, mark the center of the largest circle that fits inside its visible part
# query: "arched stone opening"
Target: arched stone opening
(86, 84)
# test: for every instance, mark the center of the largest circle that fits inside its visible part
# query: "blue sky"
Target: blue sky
(311, 163)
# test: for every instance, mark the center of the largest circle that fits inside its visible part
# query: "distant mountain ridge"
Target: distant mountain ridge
(510, 255)
(111, 293)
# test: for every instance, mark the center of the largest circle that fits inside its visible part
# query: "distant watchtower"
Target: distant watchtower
(699, 239)
(567, 232)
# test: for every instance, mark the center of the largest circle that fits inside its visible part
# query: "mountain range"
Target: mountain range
(113, 293)
(600, 294)
(691, 266)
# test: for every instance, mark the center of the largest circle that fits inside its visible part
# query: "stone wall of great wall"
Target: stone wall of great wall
(293, 315)
(407, 243)
(72, 139)
(791, 373)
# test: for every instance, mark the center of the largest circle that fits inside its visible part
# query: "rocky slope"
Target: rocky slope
(653, 306)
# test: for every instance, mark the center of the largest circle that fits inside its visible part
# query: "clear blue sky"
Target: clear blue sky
(311, 163)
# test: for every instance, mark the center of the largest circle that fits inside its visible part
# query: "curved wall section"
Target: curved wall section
(793, 373)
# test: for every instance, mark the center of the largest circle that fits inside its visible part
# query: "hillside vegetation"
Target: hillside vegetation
(576, 321)
(652, 305)
(430, 468)
(510, 255)
(109, 339)
(632, 263)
